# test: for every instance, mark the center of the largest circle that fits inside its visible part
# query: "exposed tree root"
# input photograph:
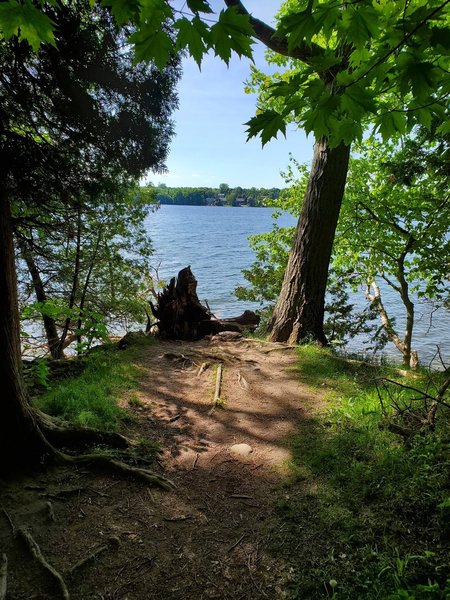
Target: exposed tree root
(36, 552)
(64, 437)
(109, 464)
(3, 576)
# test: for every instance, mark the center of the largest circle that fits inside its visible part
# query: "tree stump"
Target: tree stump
(181, 316)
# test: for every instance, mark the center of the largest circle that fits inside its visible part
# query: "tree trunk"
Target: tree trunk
(299, 311)
(49, 323)
(75, 280)
(21, 442)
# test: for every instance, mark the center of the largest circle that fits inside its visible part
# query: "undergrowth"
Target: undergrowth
(363, 515)
(91, 399)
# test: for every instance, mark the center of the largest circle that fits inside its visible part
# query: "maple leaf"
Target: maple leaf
(267, 124)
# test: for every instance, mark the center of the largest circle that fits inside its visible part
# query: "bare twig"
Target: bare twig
(236, 543)
(241, 496)
(36, 552)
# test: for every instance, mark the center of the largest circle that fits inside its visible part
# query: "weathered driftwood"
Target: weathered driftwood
(180, 315)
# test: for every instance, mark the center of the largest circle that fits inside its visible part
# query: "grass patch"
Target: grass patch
(91, 399)
(363, 514)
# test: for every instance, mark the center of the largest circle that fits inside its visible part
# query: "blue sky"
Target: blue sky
(210, 144)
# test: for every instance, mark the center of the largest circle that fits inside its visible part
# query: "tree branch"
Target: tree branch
(270, 38)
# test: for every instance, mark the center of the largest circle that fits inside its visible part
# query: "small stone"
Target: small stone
(241, 449)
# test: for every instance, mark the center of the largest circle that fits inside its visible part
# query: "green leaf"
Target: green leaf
(123, 11)
(362, 96)
(26, 22)
(317, 121)
(266, 124)
(232, 32)
(298, 28)
(197, 6)
(347, 131)
(360, 24)
(391, 123)
(191, 35)
(152, 45)
(425, 117)
(359, 56)
(440, 37)
(154, 13)
(444, 128)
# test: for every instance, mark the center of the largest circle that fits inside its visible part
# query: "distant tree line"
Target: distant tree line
(223, 195)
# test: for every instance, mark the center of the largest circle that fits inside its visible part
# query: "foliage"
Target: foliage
(394, 226)
(93, 399)
(203, 196)
(77, 115)
(372, 503)
(368, 62)
(94, 264)
(381, 61)
(394, 212)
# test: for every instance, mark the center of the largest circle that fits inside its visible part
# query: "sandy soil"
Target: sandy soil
(210, 537)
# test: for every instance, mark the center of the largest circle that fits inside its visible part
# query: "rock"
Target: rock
(241, 449)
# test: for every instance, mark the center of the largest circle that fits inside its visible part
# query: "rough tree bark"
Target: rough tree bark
(299, 311)
(21, 441)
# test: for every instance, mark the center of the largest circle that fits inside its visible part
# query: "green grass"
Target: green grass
(361, 508)
(91, 399)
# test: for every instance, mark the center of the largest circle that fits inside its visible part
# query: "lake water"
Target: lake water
(213, 241)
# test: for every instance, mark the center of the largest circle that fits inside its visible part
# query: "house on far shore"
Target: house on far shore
(240, 202)
(217, 201)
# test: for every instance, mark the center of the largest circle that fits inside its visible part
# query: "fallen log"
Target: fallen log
(180, 314)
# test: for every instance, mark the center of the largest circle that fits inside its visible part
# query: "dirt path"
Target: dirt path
(210, 537)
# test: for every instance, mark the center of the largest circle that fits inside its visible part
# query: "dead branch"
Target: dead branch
(3, 576)
(36, 552)
(412, 415)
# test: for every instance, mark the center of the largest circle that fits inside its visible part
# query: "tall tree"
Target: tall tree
(354, 63)
(72, 118)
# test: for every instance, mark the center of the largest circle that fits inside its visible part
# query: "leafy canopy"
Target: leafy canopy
(349, 63)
